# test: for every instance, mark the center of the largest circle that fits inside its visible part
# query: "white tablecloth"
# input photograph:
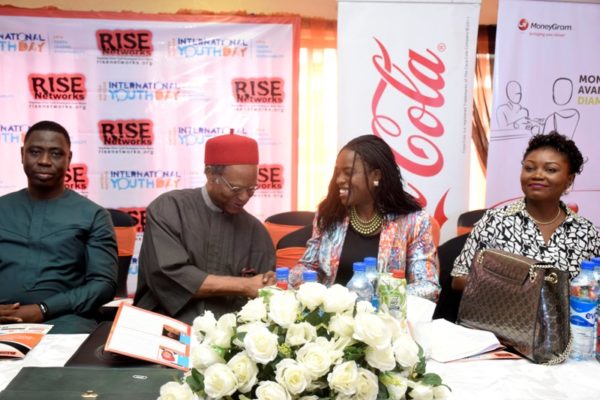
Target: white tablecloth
(489, 380)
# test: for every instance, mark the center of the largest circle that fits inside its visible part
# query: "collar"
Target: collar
(212, 206)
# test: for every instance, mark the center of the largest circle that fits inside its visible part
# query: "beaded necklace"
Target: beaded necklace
(365, 228)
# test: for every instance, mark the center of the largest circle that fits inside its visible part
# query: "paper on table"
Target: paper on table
(419, 309)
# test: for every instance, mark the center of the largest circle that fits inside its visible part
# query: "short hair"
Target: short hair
(215, 169)
(48, 126)
(560, 144)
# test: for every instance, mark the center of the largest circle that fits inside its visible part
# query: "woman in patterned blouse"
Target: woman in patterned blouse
(368, 213)
(539, 225)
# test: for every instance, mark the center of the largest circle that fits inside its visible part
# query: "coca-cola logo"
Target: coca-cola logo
(421, 88)
(523, 24)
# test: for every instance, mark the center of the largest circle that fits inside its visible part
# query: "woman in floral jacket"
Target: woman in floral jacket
(367, 213)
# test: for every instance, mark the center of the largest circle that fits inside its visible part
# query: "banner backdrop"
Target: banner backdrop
(140, 95)
(546, 77)
(406, 75)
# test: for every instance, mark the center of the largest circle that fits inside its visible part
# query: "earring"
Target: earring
(376, 183)
(567, 190)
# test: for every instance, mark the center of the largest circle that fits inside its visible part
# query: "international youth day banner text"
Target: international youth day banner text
(141, 94)
(406, 75)
(546, 77)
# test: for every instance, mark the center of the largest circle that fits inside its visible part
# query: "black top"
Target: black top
(356, 247)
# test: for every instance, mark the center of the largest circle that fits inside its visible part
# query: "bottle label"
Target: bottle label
(583, 313)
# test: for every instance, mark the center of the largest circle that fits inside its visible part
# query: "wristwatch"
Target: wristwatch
(44, 310)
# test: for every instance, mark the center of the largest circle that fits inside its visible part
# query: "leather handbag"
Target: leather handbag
(524, 302)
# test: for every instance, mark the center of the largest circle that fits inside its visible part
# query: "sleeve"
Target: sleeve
(422, 261)
(310, 259)
(170, 274)
(462, 264)
(100, 280)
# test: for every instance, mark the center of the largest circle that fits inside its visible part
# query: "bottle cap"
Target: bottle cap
(359, 267)
(282, 273)
(398, 273)
(370, 260)
(309, 276)
(375, 302)
(587, 265)
(596, 260)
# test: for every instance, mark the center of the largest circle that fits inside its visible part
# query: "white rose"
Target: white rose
(370, 329)
(269, 390)
(227, 321)
(220, 336)
(203, 324)
(395, 383)
(441, 392)
(343, 378)
(203, 356)
(311, 294)
(315, 357)
(299, 334)
(284, 308)
(261, 344)
(253, 310)
(382, 359)
(245, 371)
(421, 392)
(219, 381)
(406, 351)
(175, 391)
(292, 375)
(312, 397)
(342, 325)
(393, 325)
(364, 307)
(367, 386)
(339, 299)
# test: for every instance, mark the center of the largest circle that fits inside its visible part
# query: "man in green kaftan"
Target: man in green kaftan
(58, 253)
(201, 249)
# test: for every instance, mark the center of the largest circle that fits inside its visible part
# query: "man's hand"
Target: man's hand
(258, 282)
(8, 313)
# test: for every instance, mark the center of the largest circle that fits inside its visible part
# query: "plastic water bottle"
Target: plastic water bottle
(359, 283)
(371, 271)
(596, 261)
(584, 300)
(309, 276)
(281, 277)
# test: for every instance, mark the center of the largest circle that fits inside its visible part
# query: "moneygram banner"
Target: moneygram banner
(141, 94)
(406, 75)
(546, 77)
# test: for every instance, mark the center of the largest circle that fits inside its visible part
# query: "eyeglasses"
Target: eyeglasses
(238, 189)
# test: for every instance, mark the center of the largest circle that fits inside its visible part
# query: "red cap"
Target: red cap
(231, 150)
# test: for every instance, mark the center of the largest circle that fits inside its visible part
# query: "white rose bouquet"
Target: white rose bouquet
(315, 343)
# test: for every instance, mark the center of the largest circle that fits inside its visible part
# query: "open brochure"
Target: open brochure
(149, 336)
(16, 340)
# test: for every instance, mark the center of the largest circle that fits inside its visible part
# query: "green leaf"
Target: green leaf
(355, 352)
(431, 379)
(382, 394)
(313, 317)
(195, 381)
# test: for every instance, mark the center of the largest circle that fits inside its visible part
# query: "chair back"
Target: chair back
(447, 305)
(279, 225)
(125, 232)
(435, 230)
(291, 247)
(466, 221)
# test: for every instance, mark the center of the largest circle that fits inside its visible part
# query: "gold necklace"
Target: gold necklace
(545, 223)
(365, 228)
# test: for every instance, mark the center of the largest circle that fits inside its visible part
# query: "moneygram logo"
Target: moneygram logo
(135, 91)
(189, 47)
(258, 90)
(132, 132)
(22, 42)
(58, 87)
(197, 135)
(523, 24)
(13, 133)
(139, 217)
(125, 42)
(270, 176)
(140, 179)
(76, 177)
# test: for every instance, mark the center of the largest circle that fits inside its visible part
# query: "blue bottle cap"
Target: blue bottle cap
(596, 260)
(370, 260)
(587, 265)
(309, 276)
(282, 273)
(359, 267)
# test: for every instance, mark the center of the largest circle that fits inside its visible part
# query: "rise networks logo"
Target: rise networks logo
(57, 91)
(270, 181)
(190, 47)
(125, 46)
(131, 136)
(120, 91)
(13, 134)
(22, 42)
(76, 177)
(140, 179)
(139, 217)
(196, 135)
(258, 94)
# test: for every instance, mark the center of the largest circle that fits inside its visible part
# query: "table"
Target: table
(470, 380)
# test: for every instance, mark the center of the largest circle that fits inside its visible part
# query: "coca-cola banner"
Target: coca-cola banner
(406, 75)
(546, 77)
(140, 94)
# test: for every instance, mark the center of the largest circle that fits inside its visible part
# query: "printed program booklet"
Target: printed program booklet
(16, 340)
(149, 336)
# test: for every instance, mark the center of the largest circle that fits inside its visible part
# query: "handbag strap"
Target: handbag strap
(562, 356)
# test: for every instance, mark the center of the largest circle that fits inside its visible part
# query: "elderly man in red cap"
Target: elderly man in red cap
(201, 250)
